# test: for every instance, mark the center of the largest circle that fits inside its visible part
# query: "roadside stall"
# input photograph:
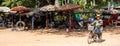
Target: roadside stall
(20, 13)
(33, 14)
(69, 8)
(4, 19)
(48, 9)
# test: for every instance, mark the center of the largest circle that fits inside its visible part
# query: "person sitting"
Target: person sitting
(98, 26)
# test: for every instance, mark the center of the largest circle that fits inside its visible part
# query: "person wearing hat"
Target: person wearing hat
(98, 26)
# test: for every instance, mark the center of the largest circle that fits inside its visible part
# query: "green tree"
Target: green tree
(46, 2)
(13, 3)
(88, 4)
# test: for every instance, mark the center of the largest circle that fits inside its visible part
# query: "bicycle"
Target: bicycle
(92, 37)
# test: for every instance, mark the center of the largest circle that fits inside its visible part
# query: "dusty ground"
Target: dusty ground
(27, 38)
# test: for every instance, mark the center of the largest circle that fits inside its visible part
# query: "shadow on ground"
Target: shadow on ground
(61, 32)
(101, 41)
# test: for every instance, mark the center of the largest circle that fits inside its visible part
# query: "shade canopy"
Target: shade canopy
(68, 7)
(48, 8)
(21, 9)
(4, 9)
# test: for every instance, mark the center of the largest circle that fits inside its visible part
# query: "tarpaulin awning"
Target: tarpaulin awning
(4, 9)
(35, 11)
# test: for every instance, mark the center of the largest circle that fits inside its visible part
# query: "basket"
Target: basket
(90, 28)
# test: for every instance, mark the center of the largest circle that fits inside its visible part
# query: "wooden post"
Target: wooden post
(3, 19)
(51, 20)
(69, 21)
(33, 22)
(46, 20)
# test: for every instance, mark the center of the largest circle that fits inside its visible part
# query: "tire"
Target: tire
(18, 25)
(89, 40)
(95, 37)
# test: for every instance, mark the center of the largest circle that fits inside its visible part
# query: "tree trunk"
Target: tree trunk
(68, 1)
(57, 3)
(65, 1)
(93, 2)
(45, 2)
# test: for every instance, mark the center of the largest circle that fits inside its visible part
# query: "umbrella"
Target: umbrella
(20, 9)
(57, 3)
(67, 7)
(48, 8)
(4, 9)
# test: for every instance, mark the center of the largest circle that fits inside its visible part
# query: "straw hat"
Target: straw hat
(98, 16)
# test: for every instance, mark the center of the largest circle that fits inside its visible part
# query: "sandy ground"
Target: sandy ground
(27, 38)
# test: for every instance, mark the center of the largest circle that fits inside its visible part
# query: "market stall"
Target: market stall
(20, 11)
(4, 21)
(69, 8)
(49, 9)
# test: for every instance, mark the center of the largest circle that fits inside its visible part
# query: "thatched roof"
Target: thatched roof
(48, 8)
(21, 9)
(68, 7)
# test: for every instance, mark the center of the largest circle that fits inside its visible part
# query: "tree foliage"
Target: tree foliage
(13, 3)
(39, 3)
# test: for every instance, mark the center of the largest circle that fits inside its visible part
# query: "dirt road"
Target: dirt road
(22, 38)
